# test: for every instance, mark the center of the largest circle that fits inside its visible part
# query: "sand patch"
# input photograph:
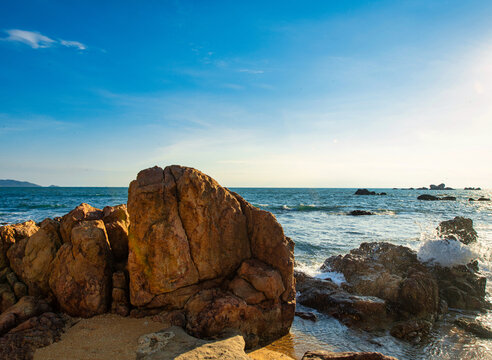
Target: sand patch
(103, 337)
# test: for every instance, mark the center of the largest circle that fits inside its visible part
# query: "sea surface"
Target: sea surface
(317, 220)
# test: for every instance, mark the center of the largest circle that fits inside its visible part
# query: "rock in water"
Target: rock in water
(328, 355)
(475, 327)
(427, 197)
(360, 213)
(188, 236)
(81, 272)
(459, 228)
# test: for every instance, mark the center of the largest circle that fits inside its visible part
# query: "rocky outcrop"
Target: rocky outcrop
(459, 228)
(174, 343)
(197, 246)
(329, 355)
(483, 199)
(81, 271)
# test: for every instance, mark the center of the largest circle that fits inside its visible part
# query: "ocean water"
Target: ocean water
(317, 220)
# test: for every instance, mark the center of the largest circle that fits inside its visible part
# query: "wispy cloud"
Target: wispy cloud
(37, 40)
(251, 71)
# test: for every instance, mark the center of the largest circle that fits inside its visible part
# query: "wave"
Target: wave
(299, 208)
(447, 252)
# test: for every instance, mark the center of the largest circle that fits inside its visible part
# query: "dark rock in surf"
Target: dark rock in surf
(483, 199)
(459, 228)
(475, 327)
(360, 213)
(307, 315)
(328, 355)
(427, 197)
(450, 198)
(364, 192)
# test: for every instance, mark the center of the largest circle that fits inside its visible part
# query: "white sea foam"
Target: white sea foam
(334, 276)
(314, 271)
(447, 252)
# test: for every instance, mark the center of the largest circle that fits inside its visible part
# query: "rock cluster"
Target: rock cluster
(387, 287)
(367, 192)
(198, 247)
(187, 249)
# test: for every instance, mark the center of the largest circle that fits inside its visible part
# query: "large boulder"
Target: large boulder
(189, 237)
(83, 212)
(459, 228)
(31, 258)
(81, 272)
(10, 234)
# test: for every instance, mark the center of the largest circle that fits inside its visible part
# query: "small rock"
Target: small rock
(360, 213)
(451, 198)
(459, 228)
(484, 199)
(20, 289)
(475, 327)
(307, 315)
(364, 192)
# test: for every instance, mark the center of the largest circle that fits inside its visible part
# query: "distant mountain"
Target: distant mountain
(15, 183)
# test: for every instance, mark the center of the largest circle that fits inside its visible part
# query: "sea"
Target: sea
(318, 222)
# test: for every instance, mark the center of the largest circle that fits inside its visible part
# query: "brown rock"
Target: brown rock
(117, 221)
(119, 280)
(411, 330)
(188, 236)
(419, 295)
(81, 272)
(20, 290)
(328, 355)
(21, 342)
(83, 212)
(31, 257)
(7, 297)
(24, 309)
(460, 228)
(262, 277)
(245, 291)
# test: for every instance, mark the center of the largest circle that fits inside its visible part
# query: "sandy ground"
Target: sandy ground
(104, 337)
(112, 337)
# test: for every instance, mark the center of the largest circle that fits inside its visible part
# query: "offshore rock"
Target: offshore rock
(194, 242)
(459, 228)
(427, 197)
(81, 272)
(31, 258)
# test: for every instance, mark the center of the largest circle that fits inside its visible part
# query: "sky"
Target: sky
(253, 93)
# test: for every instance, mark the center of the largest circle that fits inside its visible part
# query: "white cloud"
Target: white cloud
(76, 44)
(31, 38)
(251, 71)
(37, 40)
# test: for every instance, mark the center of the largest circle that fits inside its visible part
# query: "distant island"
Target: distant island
(16, 183)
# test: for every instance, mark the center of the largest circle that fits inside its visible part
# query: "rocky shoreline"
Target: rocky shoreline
(189, 253)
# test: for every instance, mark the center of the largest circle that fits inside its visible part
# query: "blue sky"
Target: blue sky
(287, 93)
